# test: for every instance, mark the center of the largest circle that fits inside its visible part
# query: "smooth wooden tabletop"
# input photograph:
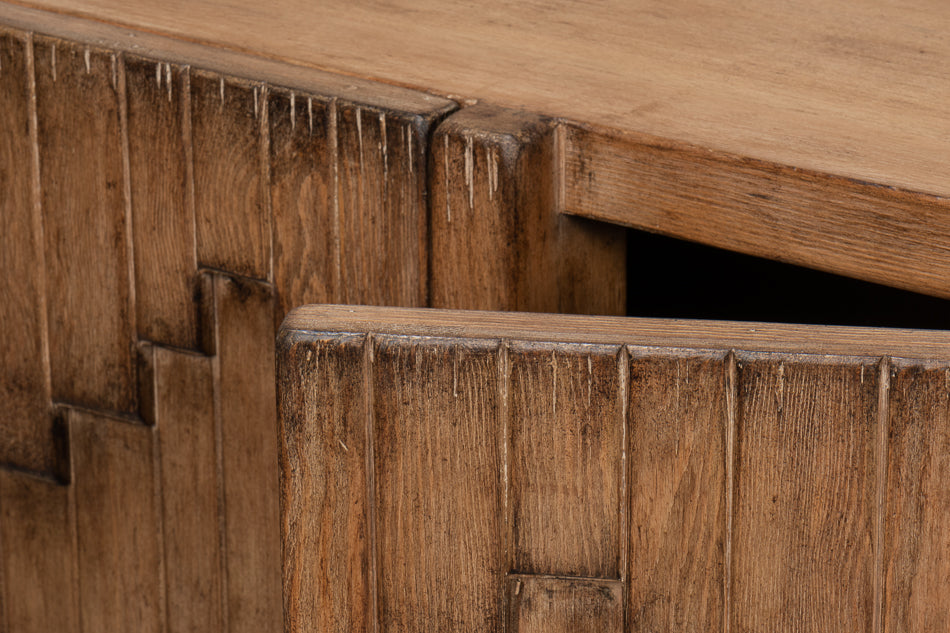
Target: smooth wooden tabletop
(859, 89)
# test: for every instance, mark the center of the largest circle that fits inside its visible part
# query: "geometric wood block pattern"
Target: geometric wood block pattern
(472, 471)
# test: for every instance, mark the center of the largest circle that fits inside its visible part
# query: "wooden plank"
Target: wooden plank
(91, 321)
(381, 205)
(722, 335)
(231, 203)
(437, 479)
(677, 491)
(565, 455)
(493, 215)
(306, 233)
(184, 417)
(37, 539)
(26, 440)
(792, 215)
(243, 340)
(805, 494)
(119, 523)
(324, 492)
(163, 214)
(547, 604)
(916, 561)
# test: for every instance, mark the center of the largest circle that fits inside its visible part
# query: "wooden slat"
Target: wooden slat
(230, 197)
(119, 523)
(792, 215)
(437, 480)
(324, 520)
(243, 341)
(163, 216)
(306, 231)
(381, 179)
(91, 325)
(916, 555)
(37, 541)
(493, 215)
(566, 435)
(547, 604)
(806, 494)
(24, 366)
(184, 417)
(677, 487)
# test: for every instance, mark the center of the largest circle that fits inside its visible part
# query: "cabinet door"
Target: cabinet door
(461, 471)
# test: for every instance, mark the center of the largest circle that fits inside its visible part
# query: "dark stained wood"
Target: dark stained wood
(231, 198)
(163, 214)
(793, 215)
(805, 494)
(566, 434)
(306, 231)
(323, 458)
(24, 370)
(548, 604)
(91, 323)
(381, 205)
(118, 524)
(438, 495)
(242, 336)
(497, 242)
(677, 487)
(37, 542)
(184, 417)
(916, 561)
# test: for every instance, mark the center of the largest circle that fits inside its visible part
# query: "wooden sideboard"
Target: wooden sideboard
(174, 181)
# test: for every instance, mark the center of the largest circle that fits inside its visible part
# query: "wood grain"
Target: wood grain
(324, 494)
(89, 301)
(24, 372)
(37, 541)
(119, 524)
(381, 205)
(231, 197)
(566, 433)
(788, 214)
(493, 197)
(805, 494)
(306, 233)
(564, 605)
(916, 561)
(163, 213)
(677, 490)
(242, 336)
(184, 417)
(437, 478)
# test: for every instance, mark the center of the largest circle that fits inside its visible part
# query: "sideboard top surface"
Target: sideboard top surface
(857, 89)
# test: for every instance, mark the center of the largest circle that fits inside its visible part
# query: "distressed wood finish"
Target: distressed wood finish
(493, 215)
(548, 604)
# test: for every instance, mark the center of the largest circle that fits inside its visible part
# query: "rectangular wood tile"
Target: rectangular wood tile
(677, 490)
(565, 426)
(163, 220)
(805, 494)
(917, 542)
(119, 524)
(437, 480)
(91, 325)
(548, 604)
(230, 205)
(306, 231)
(324, 496)
(27, 439)
(38, 546)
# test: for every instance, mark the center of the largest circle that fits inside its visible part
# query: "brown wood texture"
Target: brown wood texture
(570, 605)
(497, 241)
